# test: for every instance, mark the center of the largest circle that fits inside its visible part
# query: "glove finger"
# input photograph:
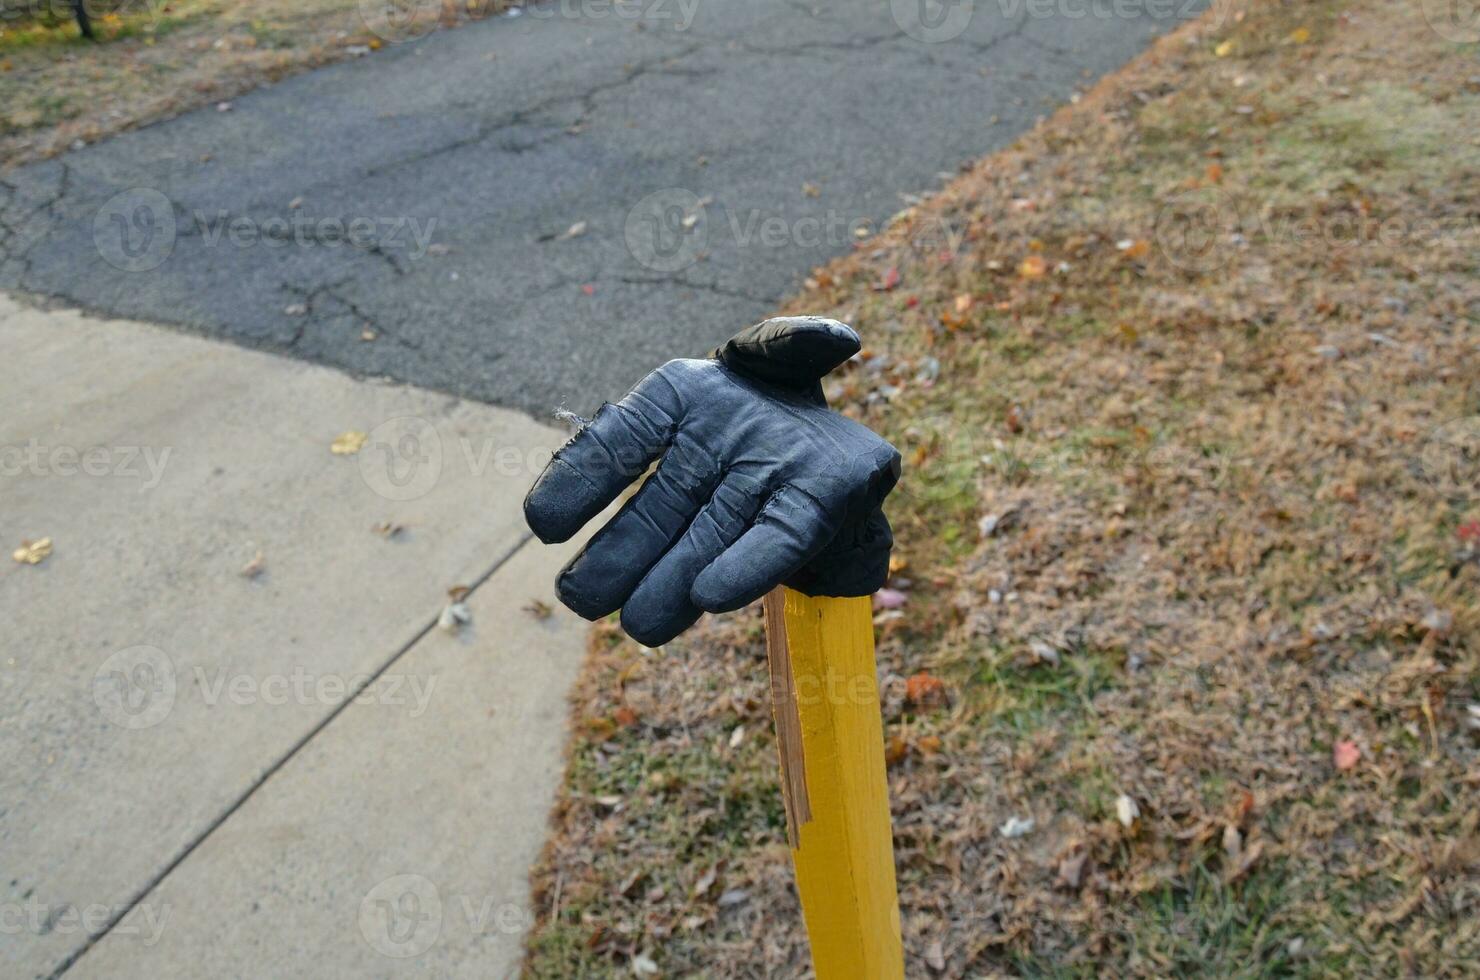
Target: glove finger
(790, 351)
(854, 563)
(599, 579)
(661, 608)
(790, 530)
(601, 460)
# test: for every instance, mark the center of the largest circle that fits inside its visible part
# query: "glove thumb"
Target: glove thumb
(791, 352)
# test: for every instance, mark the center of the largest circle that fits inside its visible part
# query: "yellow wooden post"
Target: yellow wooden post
(825, 699)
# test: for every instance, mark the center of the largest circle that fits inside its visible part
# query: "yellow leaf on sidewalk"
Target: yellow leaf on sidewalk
(348, 443)
(32, 552)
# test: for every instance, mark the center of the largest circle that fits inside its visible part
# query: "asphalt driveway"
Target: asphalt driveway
(535, 210)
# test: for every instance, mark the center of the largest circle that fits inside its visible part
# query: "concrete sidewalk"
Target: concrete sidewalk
(237, 743)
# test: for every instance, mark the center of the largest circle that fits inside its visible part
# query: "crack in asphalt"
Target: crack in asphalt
(529, 116)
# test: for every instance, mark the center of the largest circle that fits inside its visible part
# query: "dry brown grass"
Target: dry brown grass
(156, 58)
(1228, 552)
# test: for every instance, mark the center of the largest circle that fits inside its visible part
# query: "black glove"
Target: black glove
(759, 484)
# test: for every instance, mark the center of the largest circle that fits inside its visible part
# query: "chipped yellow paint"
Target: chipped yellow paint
(843, 851)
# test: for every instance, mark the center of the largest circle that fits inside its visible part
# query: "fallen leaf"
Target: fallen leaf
(1044, 652)
(254, 567)
(963, 302)
(1071, 869)
(625, 716)
(811, 190)
(1016, 827)
(1126, 810)
(898, 748)
(1033, 267)
(1215, 173)
(1233, 841)
(589, 289)
(1246, 862)
(705, 882)
(1300, 35)
(1345, 754)
(733, 897)
(454, 615)
(1134, 248)
(890, 280)
(32, 552)
(935, 957)
(1014, 419)
(538, 609)
(737, 736)
(1224, 50)
(925, 689)
(348, 443)
(889, 599)
(386, 529)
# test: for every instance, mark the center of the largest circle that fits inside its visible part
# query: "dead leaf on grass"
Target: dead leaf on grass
(1033, 267)
(1126, 810)
(925, 690)
(1071, 869)
(1015, 827)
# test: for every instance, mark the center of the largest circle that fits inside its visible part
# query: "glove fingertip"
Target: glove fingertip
(555, 507)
